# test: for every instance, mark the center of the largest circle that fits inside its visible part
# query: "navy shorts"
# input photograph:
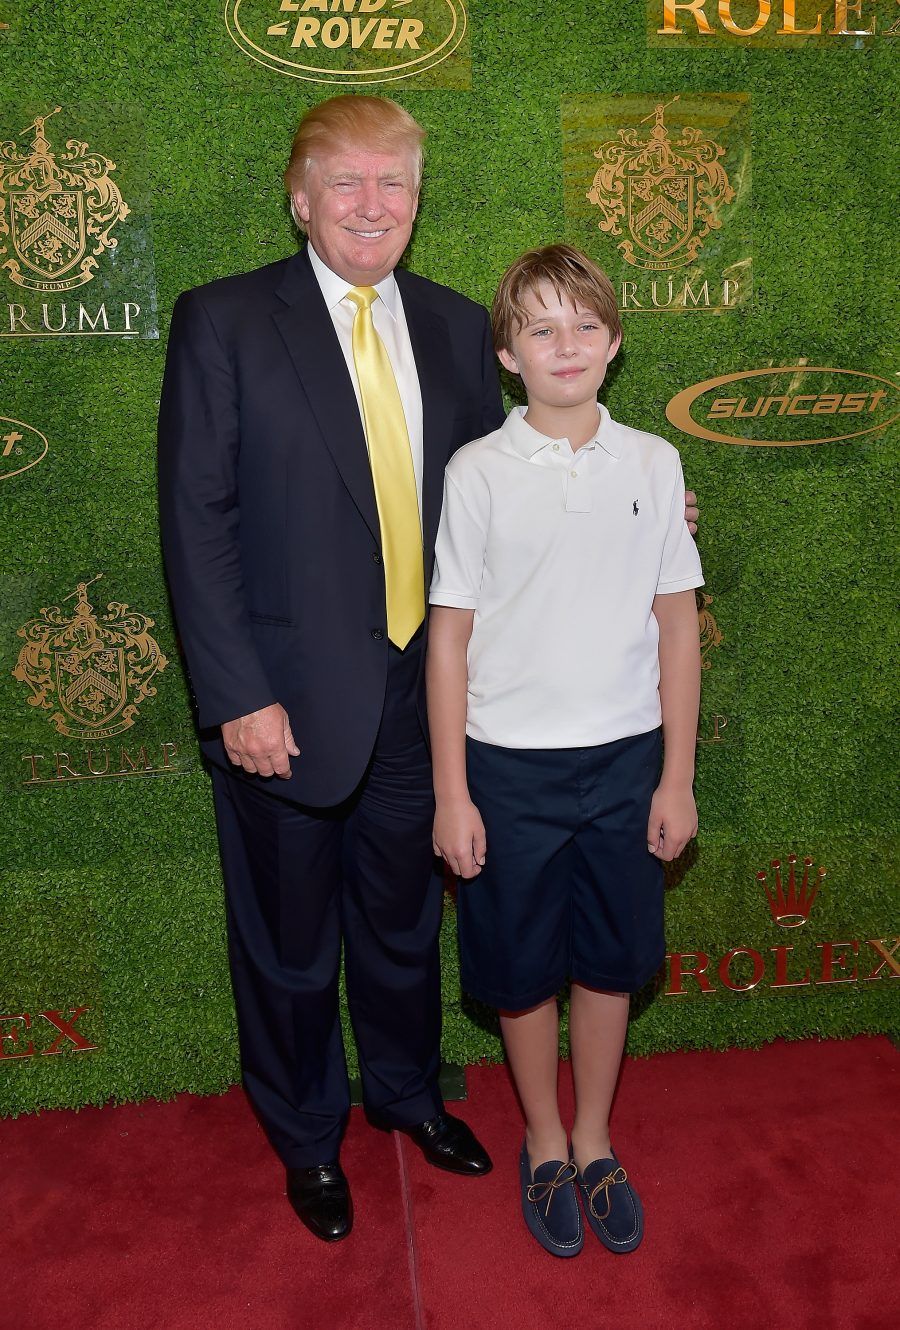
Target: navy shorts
(569, 889)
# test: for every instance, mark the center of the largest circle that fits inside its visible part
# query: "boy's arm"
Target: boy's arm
(673, 813)
(458, 829)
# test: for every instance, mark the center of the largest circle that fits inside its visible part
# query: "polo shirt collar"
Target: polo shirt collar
(528, 441)
(334, 288)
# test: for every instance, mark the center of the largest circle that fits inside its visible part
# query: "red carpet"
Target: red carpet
(769, 1179)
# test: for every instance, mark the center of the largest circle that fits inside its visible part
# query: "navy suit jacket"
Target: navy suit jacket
(269, 523)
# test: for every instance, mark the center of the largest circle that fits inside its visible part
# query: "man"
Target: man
(308, 411)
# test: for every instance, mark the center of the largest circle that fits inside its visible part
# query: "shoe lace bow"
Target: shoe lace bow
(545, 1191)
(617, 1175)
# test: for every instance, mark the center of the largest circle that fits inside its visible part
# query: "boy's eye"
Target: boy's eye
(589, 327)
(539, 332)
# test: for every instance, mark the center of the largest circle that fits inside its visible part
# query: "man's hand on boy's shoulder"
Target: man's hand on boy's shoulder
(673, 820)
(459, 837)
(691, 511)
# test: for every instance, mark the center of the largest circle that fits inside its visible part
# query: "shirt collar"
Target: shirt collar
(528, 441)
(334, 288)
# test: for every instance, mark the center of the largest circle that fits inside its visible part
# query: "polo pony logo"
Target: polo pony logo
(669, 193)
(54, 208)
(96, 669)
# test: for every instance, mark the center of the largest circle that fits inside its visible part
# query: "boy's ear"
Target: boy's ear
(614, 346)
(508, 360)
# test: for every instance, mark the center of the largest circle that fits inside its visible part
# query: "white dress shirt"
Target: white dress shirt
(390, 323)
(560, 554)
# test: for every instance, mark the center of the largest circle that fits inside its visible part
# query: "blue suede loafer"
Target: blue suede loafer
(550, 1205)
(611, 1205)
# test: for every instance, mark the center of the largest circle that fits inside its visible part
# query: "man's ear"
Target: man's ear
(508, 360)
(301, 205)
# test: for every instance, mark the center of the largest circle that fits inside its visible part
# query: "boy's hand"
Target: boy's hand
(459, 837)
(673, 820)
(691, 511)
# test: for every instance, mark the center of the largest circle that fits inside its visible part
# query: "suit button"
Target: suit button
(378, 634)
(376, 557)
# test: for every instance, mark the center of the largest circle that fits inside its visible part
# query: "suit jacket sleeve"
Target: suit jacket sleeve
(493, 414)
(199, 443)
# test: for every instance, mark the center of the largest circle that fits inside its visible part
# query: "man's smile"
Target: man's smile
(367, 235)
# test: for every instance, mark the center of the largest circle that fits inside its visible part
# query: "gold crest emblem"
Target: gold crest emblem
(54, 208)
(668, 193)
(96, 669)
(710, 633)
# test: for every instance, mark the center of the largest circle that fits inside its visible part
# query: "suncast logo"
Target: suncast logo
(21, 446)
(786, 407)
(347, 41)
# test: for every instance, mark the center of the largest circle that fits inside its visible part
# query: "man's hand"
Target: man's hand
(691, 511)
(459, 837)
(673, 820)
(261, 742)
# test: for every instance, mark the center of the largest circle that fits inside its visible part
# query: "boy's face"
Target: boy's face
(561, 351)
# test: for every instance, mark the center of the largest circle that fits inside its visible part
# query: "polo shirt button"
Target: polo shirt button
(556, 447)
(376, 557)
(574, 474)
(378, 634)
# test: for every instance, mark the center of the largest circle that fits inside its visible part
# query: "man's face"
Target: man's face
(358, 207)
(561, 351)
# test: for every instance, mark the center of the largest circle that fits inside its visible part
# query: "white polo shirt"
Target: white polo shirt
(560, 555)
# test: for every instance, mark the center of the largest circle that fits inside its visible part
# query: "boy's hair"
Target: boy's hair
(571, 274)
(374, 123)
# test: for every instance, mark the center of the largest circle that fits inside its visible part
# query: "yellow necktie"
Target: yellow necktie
(390, 458)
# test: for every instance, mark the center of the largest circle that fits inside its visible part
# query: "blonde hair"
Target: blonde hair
(570, 273)
(374, 123)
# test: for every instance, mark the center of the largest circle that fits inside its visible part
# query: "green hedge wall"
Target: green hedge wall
(110, 887)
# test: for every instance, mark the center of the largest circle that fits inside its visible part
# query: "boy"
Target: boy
(563, 633)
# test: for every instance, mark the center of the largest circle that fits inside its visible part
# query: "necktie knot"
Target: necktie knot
(362, 296)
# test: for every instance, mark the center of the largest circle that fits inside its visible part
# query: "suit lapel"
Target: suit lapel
(313, 346)
(434, 364)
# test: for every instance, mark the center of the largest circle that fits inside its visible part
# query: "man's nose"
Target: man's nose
(370, 204)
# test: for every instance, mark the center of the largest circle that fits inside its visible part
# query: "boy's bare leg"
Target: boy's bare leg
(597, 1025)
(532, 1048)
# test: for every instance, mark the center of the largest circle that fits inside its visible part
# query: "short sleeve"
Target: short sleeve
(459, 553)
(680, 567)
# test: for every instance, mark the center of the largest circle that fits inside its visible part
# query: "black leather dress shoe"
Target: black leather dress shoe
(448, 1143)
(321, 1198)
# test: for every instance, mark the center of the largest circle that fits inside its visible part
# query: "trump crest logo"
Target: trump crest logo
(92, 671)
(667, 193)
(59, 209)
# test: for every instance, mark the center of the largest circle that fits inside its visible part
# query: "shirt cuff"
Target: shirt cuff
(681, 584)
(456, 600)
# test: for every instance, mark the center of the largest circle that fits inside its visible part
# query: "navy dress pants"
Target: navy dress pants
(299, 881)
